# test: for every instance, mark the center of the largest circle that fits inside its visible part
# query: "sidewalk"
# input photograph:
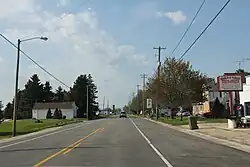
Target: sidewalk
(220, 130)
(217, 133)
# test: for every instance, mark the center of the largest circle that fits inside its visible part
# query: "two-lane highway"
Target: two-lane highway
(119, 143)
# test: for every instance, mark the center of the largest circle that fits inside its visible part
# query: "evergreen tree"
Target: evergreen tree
(47, 92)
(59, 95)
(49, 114)
(8, 111)
(56, 114)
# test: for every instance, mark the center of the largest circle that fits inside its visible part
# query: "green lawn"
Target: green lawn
(28, 126)
(177, 121)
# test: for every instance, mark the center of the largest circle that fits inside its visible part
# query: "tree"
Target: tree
(79, 95)
(1, 105)
(92, 91)
(49, 114)
(56, 114)
(34, 89)
(59, 95)
(79, 92)
(47, 92)
(60, 116)
(217, 109)
(1, 111)
(8, 111)
(179, 84)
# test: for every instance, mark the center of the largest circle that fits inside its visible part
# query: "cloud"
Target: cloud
(63, 3)
(177, 17)
(77, 44)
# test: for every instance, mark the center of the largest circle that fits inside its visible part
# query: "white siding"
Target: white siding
(41, 113)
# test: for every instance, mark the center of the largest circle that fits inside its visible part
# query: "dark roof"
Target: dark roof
(59, 105)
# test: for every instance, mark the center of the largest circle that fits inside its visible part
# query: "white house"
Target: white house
(245, 96)
(69, 109)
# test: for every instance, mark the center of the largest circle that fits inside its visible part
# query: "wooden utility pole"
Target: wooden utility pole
(158, 79)
(138, 103)
(143, 76)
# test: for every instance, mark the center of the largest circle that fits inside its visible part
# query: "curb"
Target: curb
(241, 147)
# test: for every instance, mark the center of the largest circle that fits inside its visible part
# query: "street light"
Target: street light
(17, 76)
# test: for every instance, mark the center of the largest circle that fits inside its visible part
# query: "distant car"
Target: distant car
(185, 113)
(123, 115)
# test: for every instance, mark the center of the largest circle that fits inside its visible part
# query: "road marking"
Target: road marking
(49, 134)
(72, 146)
(152, 146)
(65, 149)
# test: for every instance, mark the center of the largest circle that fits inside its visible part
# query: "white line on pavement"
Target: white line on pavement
(49, 134)
(152, 146)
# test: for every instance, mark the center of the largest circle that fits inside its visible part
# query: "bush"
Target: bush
(38, 121)
(60, 116)
(64, 117)
(56, 114)
(49, 114)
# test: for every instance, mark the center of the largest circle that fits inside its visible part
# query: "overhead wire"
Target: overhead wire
(204, 30)
(36, 63)
(191, 23)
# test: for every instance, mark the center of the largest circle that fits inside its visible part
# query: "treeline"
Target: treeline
(179, 85)
(36, 91)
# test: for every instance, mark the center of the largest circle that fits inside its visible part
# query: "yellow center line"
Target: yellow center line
(71, 148)
(65, 149)
(102, 129)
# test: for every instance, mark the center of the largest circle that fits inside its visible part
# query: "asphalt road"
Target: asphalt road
(119, 143)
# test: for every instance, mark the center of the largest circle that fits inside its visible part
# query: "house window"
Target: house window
(220, 94)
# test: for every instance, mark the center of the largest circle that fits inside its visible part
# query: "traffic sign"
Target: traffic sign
(149, 103)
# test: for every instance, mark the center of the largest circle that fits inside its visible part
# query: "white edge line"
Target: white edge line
(35, 138)
(152, 146)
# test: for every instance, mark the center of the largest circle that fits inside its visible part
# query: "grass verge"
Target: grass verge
(29, 126)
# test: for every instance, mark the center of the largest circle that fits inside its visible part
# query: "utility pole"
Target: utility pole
(138, 104)
(87, 106)
(16, 89)
(143, 76)
(158, 78)
(103, 105)
(107, 103)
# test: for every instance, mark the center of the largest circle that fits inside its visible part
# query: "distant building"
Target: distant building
(245, 96)
(69, 109)
(210, 95)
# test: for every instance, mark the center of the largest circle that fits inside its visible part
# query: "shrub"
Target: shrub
(49, 114)
(64, 117)
(56, 114)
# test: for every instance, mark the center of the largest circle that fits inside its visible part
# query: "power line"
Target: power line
(46, 71)
(191, 23)
(204, 30)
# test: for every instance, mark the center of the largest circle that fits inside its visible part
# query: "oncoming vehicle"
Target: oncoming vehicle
(123, 114)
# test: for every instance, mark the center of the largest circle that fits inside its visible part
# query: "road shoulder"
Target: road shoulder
(241, 147)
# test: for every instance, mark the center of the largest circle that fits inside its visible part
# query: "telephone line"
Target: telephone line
(191, 23)
(36, 63)
(205, 29)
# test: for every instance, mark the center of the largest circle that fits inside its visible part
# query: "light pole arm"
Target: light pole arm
(28, 39)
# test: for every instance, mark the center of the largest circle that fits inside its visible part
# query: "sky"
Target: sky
(114, 39)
